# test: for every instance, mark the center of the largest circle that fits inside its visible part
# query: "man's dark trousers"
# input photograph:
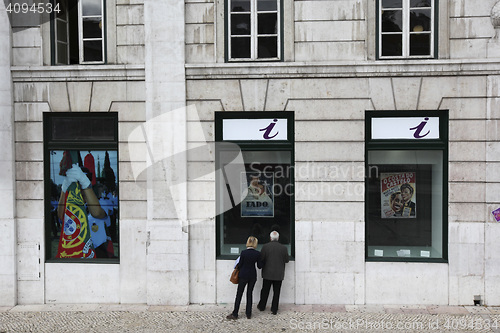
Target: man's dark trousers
(264, 294)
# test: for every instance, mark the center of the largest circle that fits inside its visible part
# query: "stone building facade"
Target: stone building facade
(167, 74)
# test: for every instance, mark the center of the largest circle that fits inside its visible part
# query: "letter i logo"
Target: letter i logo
(267, 134)
(418, 129)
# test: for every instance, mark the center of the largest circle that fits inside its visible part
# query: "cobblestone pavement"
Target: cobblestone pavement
(212, 318)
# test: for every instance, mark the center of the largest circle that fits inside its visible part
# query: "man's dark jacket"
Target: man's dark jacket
(274, 256)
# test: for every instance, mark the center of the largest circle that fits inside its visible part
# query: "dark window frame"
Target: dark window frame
(50, 144)
(440, 144)
(227, 36)
(281, 145)
(434, 35)
(79, 35)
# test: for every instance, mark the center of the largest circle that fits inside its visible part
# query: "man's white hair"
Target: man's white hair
(274, 235)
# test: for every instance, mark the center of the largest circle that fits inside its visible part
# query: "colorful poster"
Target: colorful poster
(259, 201)
(83, 218)
(496, 214)
(75, 241)
(398, 195)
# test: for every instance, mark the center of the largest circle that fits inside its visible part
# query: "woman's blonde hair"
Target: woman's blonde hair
(252, 242)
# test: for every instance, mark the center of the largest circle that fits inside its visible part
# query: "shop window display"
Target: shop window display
(82, 183)
(255, 196)
(406, 196)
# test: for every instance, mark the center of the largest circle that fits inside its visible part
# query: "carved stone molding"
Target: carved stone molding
(495, 19)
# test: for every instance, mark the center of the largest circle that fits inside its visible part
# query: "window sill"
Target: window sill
(342, 69)
(78, 73)
(407, 259)
(115, 261)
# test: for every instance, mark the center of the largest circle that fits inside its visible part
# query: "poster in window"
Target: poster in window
(496, 214)
(84, 204)
(398, 195)
(259, 201)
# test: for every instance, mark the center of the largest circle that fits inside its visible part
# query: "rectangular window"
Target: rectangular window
(254, 28)
(255, 177)
(406, 186)
(406, 28)
(78, 32)
(81, 187)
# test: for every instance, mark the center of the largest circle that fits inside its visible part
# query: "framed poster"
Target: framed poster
(396, 226)
(259, 201)
(84, 223)
(496, 214)
(398, 195)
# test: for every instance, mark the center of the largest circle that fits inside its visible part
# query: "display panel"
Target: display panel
(405, 203)
(398, 195)
(266, 201)
(81, 187)
(259, 199)
(84, 215)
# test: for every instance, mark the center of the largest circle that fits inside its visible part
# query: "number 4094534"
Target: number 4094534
(40, 8)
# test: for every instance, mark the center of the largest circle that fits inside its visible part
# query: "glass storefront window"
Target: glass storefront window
(81, 188)
(405, 204)
(255, 194)
(266, 194)
(406, 186)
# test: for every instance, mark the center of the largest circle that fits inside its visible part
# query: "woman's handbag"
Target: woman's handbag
(234, 276)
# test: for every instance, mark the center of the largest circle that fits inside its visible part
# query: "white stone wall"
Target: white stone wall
(124, 35)
(128, 16)
(123, 91)
(26, 46)
(26, 39)
(167, 235)
(329, 157)
(329, 186)
(492, 191)
(313, 30)
(330, 30)
(470, 28)
(200, 31)
(29, 186)
(8, 291)
(167, 225)
(343, 30)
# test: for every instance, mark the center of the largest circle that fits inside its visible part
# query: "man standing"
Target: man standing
(274, 257)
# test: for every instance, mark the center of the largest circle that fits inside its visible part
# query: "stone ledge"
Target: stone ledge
(78, 73)
(356, 69)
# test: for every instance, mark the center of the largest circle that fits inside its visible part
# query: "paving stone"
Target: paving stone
(212, 318)
(443, 309)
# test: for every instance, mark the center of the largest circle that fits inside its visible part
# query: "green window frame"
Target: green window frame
(406, 187)
(273, 162)
(89, 140)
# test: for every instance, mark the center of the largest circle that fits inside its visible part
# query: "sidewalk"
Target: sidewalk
(118, 318)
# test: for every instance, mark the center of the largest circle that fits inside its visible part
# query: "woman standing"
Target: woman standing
(247, 275)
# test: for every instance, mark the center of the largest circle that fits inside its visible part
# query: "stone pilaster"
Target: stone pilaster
(8, 280)
(167, 245)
